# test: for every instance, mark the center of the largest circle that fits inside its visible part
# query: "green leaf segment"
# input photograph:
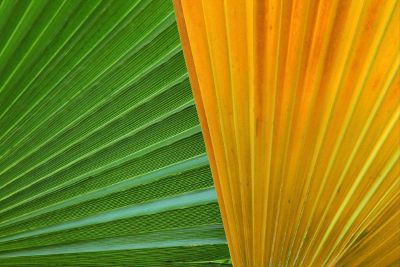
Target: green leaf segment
(102, 160)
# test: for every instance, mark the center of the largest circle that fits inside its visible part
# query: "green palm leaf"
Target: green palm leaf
(102, 160)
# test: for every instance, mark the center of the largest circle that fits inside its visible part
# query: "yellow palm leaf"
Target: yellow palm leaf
(299, 105)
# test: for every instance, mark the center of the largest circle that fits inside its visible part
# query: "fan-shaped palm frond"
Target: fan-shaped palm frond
(299, 104)
(102, 161)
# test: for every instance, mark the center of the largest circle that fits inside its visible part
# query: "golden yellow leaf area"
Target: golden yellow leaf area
(299, 105)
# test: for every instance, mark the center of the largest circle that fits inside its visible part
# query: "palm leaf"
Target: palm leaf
(102, 160)
(299, 103)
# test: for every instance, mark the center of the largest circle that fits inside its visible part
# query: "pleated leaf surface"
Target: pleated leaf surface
(300, 109)
(102, 160)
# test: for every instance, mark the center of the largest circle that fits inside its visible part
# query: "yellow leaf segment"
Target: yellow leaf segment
(299, 105)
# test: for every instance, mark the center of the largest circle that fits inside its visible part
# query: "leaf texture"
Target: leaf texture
(299, 104)
(102, 160)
